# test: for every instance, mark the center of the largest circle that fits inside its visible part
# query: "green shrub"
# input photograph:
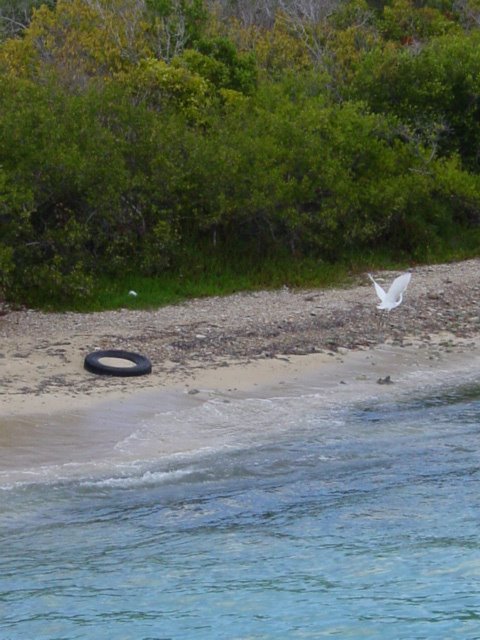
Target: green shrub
(434, 92)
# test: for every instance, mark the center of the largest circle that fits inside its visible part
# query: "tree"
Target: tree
(174, 25)
(78, 40)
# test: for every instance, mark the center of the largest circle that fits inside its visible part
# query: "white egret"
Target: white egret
(133, 293)
(394, 296)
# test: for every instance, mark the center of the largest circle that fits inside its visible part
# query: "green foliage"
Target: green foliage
(407, 23)
(277, 50)
(75, 160)
(140, 140)
(240, 69)
(15, 204)
(216, 72)
(77, 42)
(434, 92)
(306, 177)
(165, 87)
(15, 15)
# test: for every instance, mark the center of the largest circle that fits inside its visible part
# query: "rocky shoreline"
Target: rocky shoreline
(43, 353)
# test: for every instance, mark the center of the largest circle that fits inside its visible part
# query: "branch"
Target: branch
(21, 25)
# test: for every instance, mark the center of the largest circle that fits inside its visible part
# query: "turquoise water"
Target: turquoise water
(358, 522)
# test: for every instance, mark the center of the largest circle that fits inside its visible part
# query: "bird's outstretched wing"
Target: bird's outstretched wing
(398, 286)
(380, 292)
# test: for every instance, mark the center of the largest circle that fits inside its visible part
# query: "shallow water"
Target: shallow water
(358, 522)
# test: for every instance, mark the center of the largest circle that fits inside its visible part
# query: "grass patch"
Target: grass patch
(206, 278)
(203, 275)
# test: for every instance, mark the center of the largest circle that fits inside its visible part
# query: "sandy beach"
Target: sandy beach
(240, 341)
(333, 343)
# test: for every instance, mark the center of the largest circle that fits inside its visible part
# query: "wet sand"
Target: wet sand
(124, 429)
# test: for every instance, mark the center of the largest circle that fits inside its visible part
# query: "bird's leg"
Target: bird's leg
(381, 322)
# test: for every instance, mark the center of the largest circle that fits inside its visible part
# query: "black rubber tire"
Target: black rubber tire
(142, 364)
